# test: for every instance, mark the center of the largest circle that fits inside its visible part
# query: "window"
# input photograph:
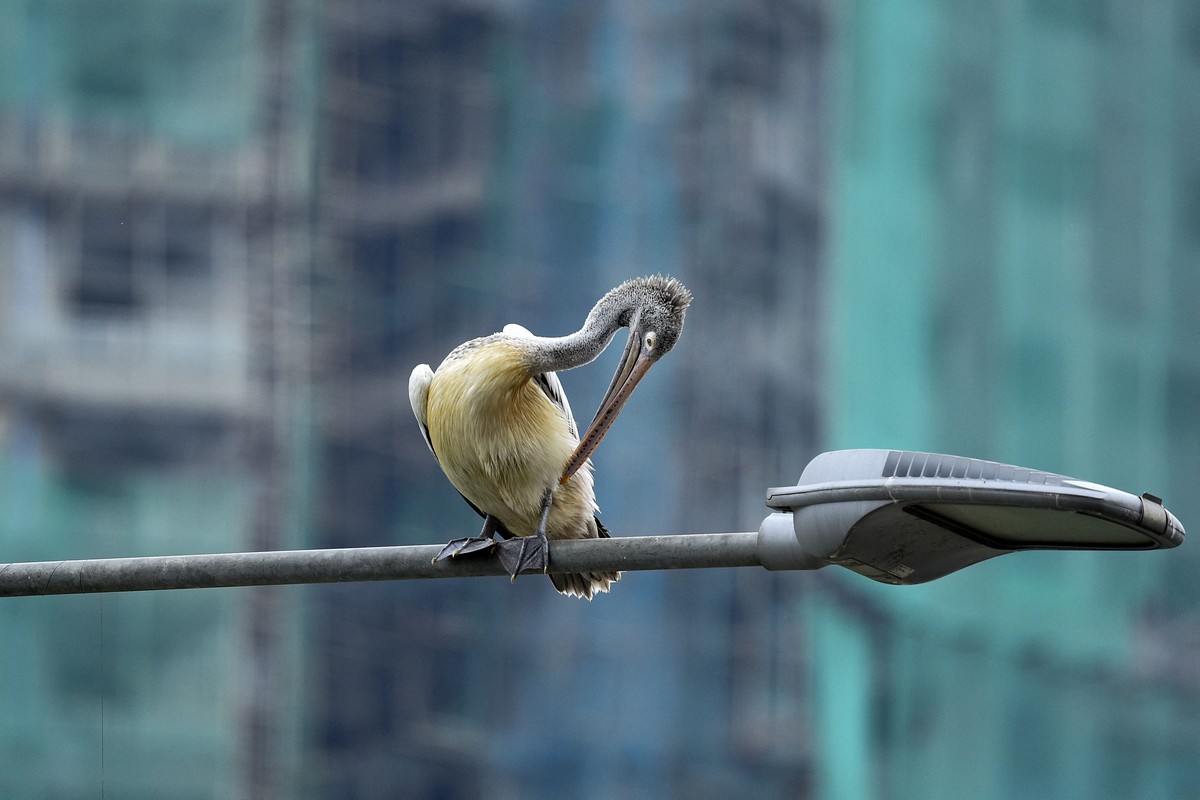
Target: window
(410, 103)
(187, 243)
(134, 256)
(105, 283)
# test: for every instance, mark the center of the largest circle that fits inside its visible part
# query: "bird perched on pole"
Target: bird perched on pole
(498, 422)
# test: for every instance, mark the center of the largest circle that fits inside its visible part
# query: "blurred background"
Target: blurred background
(229, 229)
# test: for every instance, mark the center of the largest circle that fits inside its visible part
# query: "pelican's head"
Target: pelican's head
(653, 309)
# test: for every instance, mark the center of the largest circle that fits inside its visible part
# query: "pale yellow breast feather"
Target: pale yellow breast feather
(501, 441)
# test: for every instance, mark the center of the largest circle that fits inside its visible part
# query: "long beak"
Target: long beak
(634, 366)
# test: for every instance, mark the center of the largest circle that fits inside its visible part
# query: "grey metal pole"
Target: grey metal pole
(690, 551)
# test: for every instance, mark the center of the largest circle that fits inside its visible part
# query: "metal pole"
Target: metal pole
(690, 551)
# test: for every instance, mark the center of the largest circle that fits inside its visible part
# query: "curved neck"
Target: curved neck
(551, 354)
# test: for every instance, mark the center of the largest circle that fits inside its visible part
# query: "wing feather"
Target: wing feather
(418, 396)
(548, 382)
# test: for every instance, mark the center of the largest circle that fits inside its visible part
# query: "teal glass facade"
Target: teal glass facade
(1011, 277)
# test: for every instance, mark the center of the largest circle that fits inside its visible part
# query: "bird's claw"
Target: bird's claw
(516, 553)
(524, 554)
(461, 547)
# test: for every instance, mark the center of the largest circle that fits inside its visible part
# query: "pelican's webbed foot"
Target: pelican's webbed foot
(524, 554)
(461, 547)
(474, 544)
(528, 553)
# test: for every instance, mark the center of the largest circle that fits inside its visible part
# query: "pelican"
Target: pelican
(498, 422)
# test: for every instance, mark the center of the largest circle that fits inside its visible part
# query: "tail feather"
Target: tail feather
(586, 584)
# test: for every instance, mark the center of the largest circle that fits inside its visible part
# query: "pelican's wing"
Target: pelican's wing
(418, 396)
(552, 386)
(548, 382)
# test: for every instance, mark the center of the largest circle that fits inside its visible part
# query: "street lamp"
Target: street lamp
(903, 517)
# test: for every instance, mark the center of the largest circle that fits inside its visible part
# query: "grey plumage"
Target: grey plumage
(656, 300)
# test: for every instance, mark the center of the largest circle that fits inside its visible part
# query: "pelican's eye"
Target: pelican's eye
(650, 341)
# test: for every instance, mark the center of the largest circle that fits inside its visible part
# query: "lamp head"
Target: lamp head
(905, 517)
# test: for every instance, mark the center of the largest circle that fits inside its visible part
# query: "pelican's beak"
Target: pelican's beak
(635, 363)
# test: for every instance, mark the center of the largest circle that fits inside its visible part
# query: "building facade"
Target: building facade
(1014, 252)
(151, 350)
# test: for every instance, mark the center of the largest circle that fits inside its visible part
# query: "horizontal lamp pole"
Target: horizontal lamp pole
(217, 570)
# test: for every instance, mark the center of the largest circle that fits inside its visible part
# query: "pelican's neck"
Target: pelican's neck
(552, 354)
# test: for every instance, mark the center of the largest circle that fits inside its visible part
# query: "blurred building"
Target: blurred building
(494, 162)
(149, 243)
(229, 230)
(1012, 275)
